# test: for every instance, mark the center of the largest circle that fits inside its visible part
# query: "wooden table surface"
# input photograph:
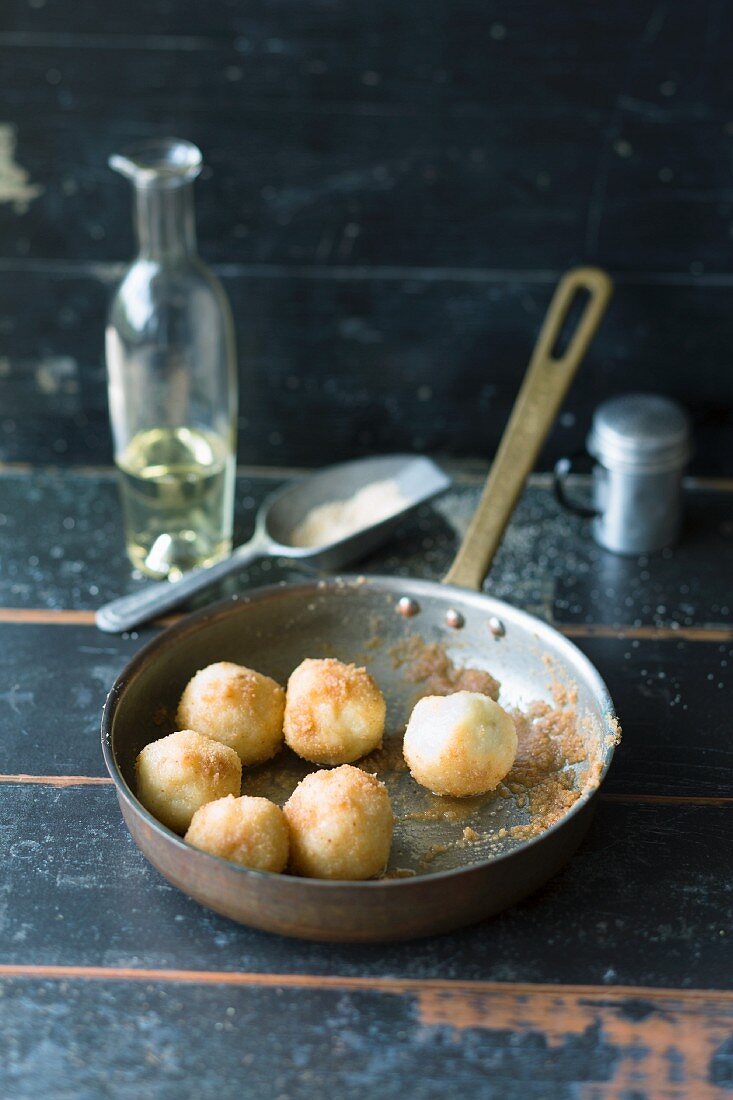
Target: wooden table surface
(614, 981)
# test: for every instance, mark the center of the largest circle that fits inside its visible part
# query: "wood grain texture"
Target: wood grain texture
(671, 699)
(619, 630)
(303, 1041)
(58, 780)
(667, 693)
(664, 1045)
(428, 989)
(398, 360)
(62, 551)
(649, 888)
(393, 189)
(455, 134)
(36, 615)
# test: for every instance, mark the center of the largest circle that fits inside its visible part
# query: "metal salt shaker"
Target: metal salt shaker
(638, 447)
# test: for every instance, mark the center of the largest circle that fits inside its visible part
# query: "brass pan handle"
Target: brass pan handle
(543, 389)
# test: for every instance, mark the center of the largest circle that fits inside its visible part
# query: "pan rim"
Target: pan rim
(222, 608)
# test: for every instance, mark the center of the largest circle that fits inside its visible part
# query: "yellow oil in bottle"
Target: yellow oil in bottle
(176, 486)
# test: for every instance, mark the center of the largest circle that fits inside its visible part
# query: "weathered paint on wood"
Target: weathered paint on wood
(392, 191)
(662, 691)
(619, 630)
(392, 361)
(308, 1041)
(62, 550)
(457, 134)
(646, 901)
(663, 1044)
(663, 684)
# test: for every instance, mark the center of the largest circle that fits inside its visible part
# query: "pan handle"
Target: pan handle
(540, 396)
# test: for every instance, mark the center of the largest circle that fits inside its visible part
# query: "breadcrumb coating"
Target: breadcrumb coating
(181, 772)
(460, 744)
(252, 832)
(341, 825)
(334, 713)
(236, 706)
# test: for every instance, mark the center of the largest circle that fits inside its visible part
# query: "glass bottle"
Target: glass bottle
(171, 370)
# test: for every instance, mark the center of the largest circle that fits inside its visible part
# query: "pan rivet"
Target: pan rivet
(408, 607)
(454, 618)
(497, 627)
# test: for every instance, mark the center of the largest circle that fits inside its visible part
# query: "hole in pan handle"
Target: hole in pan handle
(580, 462)
(545, 384)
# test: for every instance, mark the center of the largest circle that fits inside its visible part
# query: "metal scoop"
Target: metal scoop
(419, 480)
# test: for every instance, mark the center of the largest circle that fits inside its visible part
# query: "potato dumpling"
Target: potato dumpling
(237, 706)
(252, 832)
(334, 713)
(460, 744)
(340, 825)
(179, 773)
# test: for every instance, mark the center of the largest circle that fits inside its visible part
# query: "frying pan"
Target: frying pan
(370, 620)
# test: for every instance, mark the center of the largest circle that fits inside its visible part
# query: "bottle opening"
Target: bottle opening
(159, 162)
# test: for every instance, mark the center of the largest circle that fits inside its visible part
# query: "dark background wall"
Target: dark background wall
(393, 188)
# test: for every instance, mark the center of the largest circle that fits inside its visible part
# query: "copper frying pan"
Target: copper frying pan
(363, 620)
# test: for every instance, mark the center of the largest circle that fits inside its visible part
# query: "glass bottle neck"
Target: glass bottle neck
(165, 221)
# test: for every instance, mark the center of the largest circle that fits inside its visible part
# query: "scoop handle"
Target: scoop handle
(155, 599)
(540, 396)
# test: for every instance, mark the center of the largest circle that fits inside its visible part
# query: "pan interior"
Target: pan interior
(272, 631)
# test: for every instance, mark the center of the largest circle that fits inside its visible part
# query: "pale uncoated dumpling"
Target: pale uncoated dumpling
(334, 713)
(179, 773)
(341, 825)
(252, 832)
(459, 744)
(237, 706)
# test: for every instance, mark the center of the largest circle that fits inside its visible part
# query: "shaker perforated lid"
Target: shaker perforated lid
(642, 432)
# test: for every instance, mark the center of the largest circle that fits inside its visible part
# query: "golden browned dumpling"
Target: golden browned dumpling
(340, 825)
(179, 773)
(334, 713)
(460, 744)
(237, 706)
(252, 832)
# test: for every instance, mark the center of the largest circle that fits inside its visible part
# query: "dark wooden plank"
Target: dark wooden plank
(61, 547)
(646, 901)
(309, 186)
(446, 24)
(54, 683)
(443, 133)
(341, 189)
(80, 1039)
(670, 696)
(413, 54)
(446, 149)
(333, 367)
(682, 586)
(62, 543)
(651, 185)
